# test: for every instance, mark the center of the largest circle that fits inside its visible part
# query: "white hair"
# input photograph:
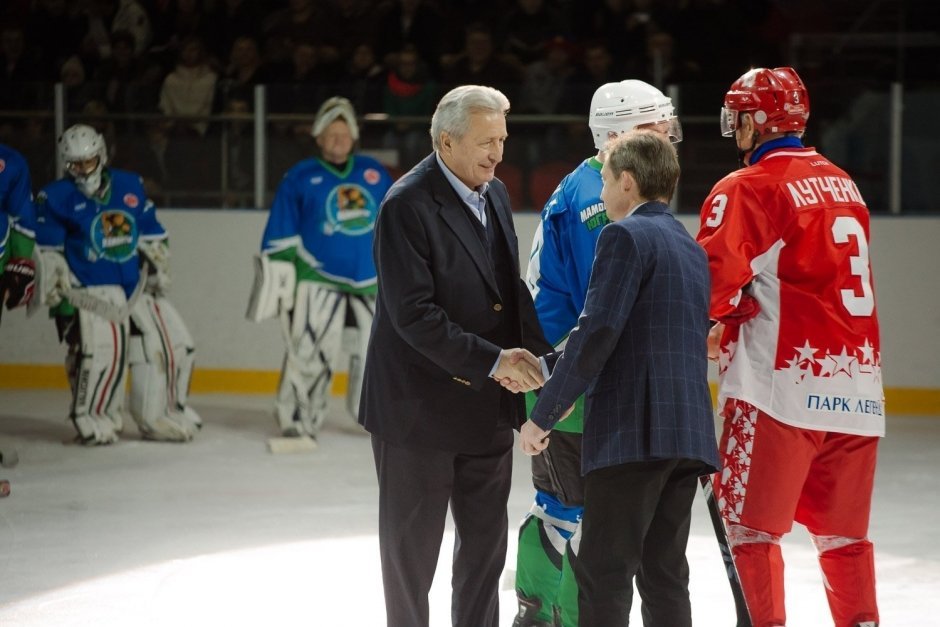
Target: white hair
(452, 115)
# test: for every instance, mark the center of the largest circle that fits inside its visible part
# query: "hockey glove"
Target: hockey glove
(747, 309)
(19, 281)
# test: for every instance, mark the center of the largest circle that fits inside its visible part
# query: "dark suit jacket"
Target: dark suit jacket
(438, 310)
(640, 348)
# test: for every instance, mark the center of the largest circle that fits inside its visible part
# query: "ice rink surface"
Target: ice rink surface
(221, 532)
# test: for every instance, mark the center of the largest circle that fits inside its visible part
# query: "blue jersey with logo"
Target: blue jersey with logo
(562, 258)
(99, 236)
(322, 219)
(563, 250)
(17, 213)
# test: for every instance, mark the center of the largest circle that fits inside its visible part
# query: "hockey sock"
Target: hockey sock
(849, 572)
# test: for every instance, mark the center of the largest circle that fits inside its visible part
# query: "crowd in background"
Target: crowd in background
(393, 56)
(203, 57)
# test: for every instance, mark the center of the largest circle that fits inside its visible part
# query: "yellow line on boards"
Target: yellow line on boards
(899, 401)
(205, 380)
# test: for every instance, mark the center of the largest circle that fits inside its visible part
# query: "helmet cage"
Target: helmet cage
(77, 145)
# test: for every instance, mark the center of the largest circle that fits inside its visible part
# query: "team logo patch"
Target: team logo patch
(371, 176)
(114, 235)
(131, 200)
(3, 165)
(350, 209)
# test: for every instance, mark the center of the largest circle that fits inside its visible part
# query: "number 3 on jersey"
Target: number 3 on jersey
(718, 211)
(843, 228)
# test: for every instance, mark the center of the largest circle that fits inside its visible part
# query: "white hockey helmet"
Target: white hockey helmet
(333, 109)
(620, 107)
(78, 146)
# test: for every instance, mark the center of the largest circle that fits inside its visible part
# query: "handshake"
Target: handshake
(518, 370)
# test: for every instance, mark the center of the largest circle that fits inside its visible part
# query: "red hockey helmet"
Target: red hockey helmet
(777, 99)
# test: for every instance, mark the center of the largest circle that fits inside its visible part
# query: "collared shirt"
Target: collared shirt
(473, 198)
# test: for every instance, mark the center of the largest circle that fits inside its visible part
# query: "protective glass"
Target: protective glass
(729, 122)
(670, 127)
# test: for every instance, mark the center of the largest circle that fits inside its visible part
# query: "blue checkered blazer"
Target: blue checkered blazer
(639, 350)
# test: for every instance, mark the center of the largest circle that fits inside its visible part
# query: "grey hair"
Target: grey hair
(452, 115)
(650, 159)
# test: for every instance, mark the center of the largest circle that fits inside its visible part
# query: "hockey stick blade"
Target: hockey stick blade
(740, 606)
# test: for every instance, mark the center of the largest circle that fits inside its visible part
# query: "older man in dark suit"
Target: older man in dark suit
(450, 299)
(639, 351)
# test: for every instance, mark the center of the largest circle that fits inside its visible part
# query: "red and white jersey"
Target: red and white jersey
(792, 231)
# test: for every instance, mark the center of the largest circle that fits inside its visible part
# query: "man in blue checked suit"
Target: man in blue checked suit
(639, 351)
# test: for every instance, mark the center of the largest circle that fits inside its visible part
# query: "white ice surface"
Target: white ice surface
(221, 532)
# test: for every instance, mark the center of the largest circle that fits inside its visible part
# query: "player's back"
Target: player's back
(792, 230)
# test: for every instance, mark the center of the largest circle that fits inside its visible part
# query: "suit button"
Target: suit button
(497, 307)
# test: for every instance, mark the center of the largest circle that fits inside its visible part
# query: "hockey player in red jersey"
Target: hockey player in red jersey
(798, 352)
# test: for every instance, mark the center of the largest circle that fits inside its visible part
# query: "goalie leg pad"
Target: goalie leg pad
(273, 289)
(360, 311)
(96, 367)
(313, 344)
(161, 365)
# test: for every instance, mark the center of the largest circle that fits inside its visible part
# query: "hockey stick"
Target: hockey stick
(744, 618)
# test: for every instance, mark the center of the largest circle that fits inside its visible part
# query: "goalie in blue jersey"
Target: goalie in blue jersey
(104, 272)
(316, 269)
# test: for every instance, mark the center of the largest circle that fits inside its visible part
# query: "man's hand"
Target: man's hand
(532, 438)
(518, 370)
(714, 340)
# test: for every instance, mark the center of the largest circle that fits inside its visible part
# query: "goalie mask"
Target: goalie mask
(620, 107)
(333, 109)
(84, 153)
(776, 99)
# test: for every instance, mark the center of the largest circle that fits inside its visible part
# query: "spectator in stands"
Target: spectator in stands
(244, 68)
(623, 26)
(133, 18)
(364, 80)
(660, 66)
(724, 40)
(182, 21)
(240, 158)
(60, 28)
(77, 90)
(232, 19)
(409, 91)
(410, 22)
(528, 28)
(19, 73)
(355, 22)
(303, 21)
(97, 39)
(596, 67)
(477, 63)
(150, 157)
(545, 81)
(127, 83)
(302, 84)
(190, 88)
